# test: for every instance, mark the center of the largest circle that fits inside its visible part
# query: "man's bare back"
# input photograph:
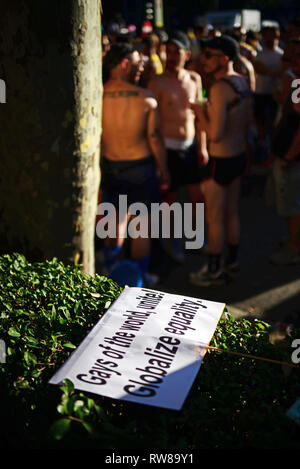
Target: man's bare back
(125, 123)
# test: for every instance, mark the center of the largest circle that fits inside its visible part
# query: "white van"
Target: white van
(228, 19)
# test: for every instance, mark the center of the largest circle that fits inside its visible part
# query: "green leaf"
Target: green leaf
(29, 357)
(32, 340)
(12, 331)
(68, 386)
(59, 428)
(53, 313)
(69, 345)
(88, 427)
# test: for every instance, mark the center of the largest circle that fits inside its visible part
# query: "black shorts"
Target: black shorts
(225, 170)
(135, 178)
(183, 167)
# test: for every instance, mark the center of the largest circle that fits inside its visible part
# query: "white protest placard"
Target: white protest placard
(147, 348)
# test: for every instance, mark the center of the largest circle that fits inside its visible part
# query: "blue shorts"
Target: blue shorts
(135, 178)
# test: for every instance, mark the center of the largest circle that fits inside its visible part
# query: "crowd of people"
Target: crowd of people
(196, 109)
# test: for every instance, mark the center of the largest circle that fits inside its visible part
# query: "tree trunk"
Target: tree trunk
(50, 128)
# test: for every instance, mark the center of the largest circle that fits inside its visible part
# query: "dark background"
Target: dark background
(182, 13)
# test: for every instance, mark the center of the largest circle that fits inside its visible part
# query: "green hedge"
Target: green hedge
(47, 309)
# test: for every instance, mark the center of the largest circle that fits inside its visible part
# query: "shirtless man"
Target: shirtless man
(225, 118)
(132, 150)
(174, 90)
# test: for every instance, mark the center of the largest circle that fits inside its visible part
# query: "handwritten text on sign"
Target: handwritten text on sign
(147, 348)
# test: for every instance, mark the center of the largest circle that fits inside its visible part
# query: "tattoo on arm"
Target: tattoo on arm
(127, 93)
(121, 93)
(155, 133)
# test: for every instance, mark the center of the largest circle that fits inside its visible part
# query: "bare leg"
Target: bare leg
(215, 198)
(170, 198)
(140, 247)
(120, 232)
(113, 245)
(195, 196)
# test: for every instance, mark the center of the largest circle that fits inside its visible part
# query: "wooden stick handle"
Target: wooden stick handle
(255, 357)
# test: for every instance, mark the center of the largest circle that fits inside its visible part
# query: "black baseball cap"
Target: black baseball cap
(227, 44)
(180, 39)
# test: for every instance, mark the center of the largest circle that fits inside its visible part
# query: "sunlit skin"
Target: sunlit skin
(176, 58)
(215, 62)
(226, 131)
(174, 90)
(133, 112)
(105, 45)
(227, 136)
(130, 131)
(136, 68)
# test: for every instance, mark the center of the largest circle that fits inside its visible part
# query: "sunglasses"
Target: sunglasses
(209, 55)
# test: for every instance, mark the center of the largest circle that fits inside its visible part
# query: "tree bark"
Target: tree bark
(50, 128)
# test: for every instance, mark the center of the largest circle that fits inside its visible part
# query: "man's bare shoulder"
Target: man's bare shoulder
(146, 93)
(220, 93)
(194, 76)
(149, 97)
(220, 87)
